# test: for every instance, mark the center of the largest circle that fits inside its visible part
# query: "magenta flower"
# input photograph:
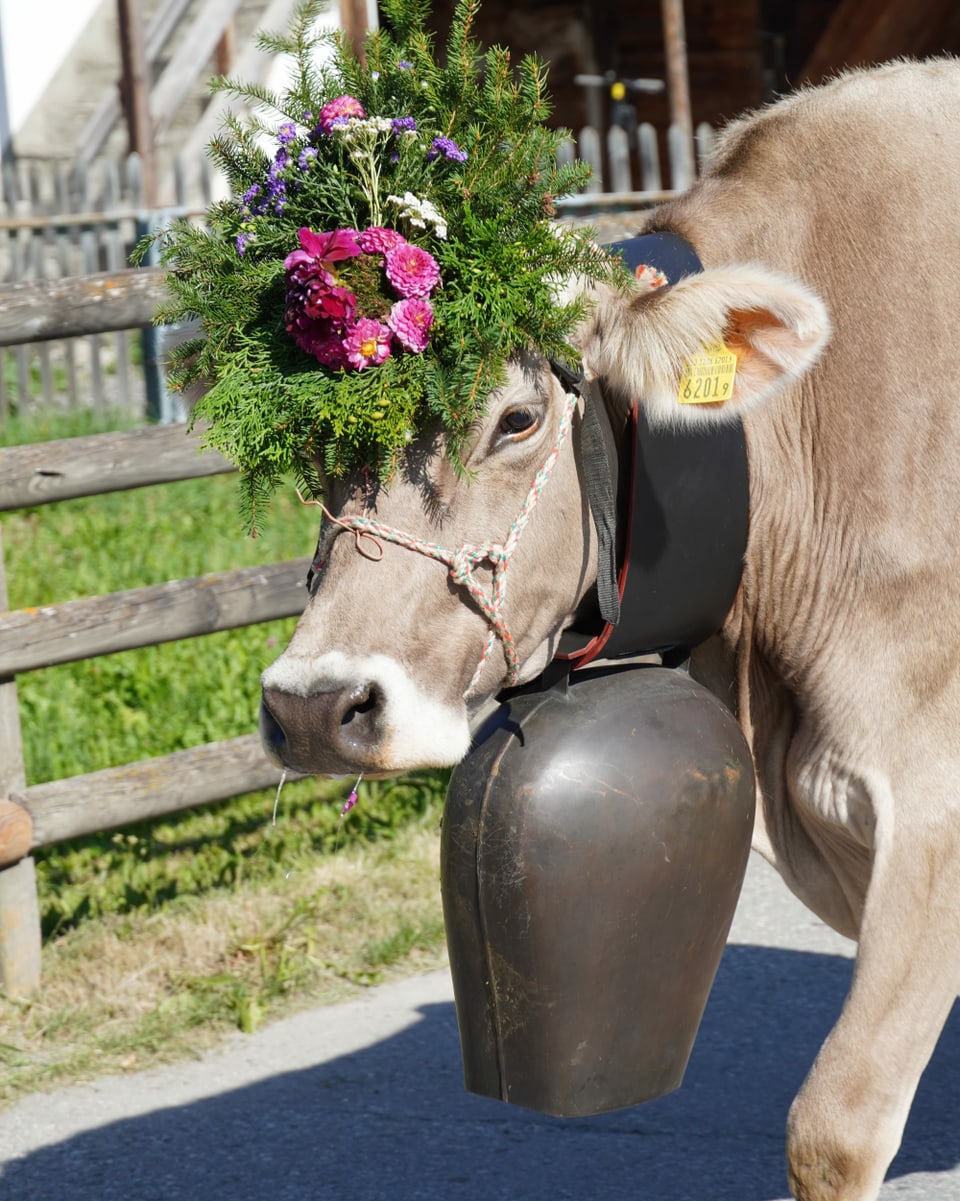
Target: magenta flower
(410, 320)
(330, 352)
(319, 310)
(367, 343)
(317, 338)
(333, 304)
(340, 109)
(411, 270)
(328, 247)
(378, 240)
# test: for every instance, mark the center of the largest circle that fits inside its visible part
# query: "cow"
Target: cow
(829, 232)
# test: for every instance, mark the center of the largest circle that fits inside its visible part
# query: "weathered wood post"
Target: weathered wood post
(678, 91)
(19, 909)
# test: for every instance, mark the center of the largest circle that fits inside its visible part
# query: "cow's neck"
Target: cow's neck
(683, 505)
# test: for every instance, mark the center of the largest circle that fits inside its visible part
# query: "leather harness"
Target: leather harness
(683, 517)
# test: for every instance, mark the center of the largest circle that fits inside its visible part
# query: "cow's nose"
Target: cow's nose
(331, 733)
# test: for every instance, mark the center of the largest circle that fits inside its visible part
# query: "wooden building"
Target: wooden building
(739, 52)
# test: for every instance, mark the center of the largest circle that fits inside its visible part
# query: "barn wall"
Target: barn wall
(740, 52)
(725, 51)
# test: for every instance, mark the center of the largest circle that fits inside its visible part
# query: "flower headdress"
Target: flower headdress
(383, 259)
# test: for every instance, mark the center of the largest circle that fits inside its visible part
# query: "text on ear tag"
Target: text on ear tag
(709, 376)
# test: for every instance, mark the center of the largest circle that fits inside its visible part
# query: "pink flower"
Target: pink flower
(340, 109)
(411, 270)
(317, 338)
(378, 240)
(324, 247)
(367, 343)
(410, 320)
(318, 310)
(333, 304)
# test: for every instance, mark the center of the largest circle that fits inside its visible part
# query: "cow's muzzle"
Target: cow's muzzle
(329, 733)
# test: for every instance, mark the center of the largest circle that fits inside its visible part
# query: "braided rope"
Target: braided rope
(463, 561)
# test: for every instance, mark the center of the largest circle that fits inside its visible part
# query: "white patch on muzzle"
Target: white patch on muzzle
(418, 731)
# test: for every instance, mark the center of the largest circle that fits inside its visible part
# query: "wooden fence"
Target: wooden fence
(37, 816)
(60, 222)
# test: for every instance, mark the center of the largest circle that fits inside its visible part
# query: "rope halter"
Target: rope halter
(462, 562)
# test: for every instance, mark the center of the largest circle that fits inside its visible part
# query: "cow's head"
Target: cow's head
(393, 655)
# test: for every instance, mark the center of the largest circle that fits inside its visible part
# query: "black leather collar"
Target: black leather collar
(684, 518)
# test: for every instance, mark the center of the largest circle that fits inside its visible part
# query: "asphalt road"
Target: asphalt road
(364, 1102)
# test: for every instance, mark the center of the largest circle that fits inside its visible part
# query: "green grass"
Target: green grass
(104, 712)
(100, 895)
(19, 429)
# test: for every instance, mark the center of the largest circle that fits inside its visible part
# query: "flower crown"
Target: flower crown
(383, 258)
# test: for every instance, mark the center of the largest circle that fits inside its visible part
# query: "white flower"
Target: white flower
(347, 129)
(419, 213)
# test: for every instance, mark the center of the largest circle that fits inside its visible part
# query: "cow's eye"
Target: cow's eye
(518, 424)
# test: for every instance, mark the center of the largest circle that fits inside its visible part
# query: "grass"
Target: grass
(133, 989)
(160, 937)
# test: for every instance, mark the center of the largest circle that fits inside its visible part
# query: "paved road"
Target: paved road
(364, 1102)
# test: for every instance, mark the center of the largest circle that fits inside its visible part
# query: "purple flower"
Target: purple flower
(410, 320)
(404, 65)
(253, 200)
(307, 155)
(286, 133)
(378, 240)
(367, 343)
(448, 148)
(411, 270)
(276, 190)
(339, 110)
(403, 125)
(242, 240)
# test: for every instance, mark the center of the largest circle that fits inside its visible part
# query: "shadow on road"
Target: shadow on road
(393, 1121)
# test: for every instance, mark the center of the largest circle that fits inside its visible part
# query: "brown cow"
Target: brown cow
(841, 652)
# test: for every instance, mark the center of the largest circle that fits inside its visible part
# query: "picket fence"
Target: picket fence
(71, 316)
(59, 221)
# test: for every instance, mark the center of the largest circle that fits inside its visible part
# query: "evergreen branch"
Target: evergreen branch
(468, 177)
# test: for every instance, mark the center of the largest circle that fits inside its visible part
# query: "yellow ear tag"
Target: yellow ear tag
(709, 376)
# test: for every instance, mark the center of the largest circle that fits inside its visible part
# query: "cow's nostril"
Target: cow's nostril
(271, 732)
(365, 701)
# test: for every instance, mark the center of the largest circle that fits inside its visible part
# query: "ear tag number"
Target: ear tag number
(709, 376)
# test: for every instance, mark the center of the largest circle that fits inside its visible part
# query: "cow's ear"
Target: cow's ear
(677, 347)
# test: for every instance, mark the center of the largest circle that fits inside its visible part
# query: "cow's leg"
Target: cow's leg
(846, 1123)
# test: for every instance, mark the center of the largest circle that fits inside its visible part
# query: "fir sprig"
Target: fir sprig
(454, 157)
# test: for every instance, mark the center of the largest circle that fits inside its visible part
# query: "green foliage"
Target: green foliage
(483, 211)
